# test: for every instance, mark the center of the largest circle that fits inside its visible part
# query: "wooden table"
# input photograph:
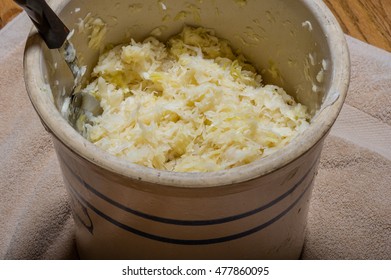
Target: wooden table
(367, 20)
(8, 10)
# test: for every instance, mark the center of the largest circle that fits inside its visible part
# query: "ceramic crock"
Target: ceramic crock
(257, 211)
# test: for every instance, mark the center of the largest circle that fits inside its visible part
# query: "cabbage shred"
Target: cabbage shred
(192, 105)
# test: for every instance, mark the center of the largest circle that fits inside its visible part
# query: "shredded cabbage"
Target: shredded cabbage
(191, 105)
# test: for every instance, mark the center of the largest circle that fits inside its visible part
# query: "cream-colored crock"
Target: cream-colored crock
(256, 211)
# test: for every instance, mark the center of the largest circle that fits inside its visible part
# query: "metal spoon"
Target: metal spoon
(55, 34)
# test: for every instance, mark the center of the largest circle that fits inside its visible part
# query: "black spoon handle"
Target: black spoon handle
(52, 30)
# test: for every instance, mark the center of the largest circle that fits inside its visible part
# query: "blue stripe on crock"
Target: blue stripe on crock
(190, 222)
(188, 241)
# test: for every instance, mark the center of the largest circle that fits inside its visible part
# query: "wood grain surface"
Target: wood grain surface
(367, 20)
(8, 10)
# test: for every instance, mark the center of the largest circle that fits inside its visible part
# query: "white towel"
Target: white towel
(350, 214)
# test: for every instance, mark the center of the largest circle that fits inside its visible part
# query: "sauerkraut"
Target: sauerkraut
(190, 105)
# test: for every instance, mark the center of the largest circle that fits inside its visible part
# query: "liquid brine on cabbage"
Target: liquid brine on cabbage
(189, 105)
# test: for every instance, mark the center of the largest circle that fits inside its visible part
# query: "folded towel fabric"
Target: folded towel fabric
(350, 213)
